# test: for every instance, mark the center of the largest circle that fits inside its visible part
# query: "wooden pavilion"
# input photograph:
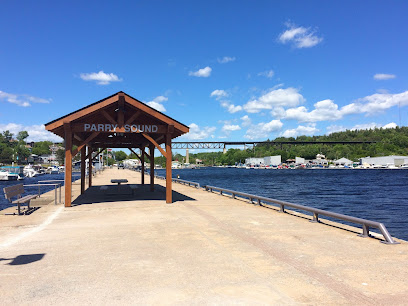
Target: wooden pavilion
(118, 121)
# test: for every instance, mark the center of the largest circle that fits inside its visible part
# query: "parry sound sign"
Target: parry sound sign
(127, 128)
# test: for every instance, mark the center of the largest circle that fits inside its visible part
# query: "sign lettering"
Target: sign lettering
(129, 128)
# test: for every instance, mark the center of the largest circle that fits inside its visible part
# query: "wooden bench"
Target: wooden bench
(17, 191)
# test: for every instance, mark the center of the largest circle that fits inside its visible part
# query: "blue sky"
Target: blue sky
(231, 70)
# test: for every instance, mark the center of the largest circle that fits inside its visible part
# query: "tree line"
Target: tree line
(387, 142)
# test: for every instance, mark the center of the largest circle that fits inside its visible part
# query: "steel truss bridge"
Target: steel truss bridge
(223, 145)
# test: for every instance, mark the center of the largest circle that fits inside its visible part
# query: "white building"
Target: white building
(255, 161)
(299, 160)
(384, 160)
(320, 160)
(273, 160)
(343, 162)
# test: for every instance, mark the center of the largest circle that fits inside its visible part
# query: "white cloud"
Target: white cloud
(100, 77)
(262, 130)
(324, 110)
(226, 59)
(288, 97)
(232, 109)
(219, 93)
(327, 110)
(36, 132)
(378, 102)
(269, 74)
(365, 126)
(157, 103)
(301, 130)
(21, 100)
(197, 133)
(300, 37)
(384, 76)
(227, 128)
(246, 121)
(204, 72)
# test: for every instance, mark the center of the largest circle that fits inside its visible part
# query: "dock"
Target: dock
(204, 248)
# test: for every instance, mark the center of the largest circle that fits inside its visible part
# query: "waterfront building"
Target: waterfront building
(385, 160)
(273, 160)
(343, 162)
(255, 161)
(299, 160)
(320, 160)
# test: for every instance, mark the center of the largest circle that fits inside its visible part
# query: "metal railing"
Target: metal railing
(366, 224)
(180, 181)
(56, 185)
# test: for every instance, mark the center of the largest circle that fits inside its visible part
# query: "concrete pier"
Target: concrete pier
(133, 248)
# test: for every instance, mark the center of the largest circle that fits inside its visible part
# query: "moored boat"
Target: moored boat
(8, 176)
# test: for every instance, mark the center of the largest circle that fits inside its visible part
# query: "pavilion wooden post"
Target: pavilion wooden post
(68, 164)
(83, 156)
(143, 162)
(151, 151)
(90, 167)
(169, 157)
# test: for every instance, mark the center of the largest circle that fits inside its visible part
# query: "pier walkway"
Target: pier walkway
(202, 249)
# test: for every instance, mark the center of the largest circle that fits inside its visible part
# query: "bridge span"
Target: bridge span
(224, 144)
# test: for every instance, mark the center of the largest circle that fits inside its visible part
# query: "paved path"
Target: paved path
(202, 249)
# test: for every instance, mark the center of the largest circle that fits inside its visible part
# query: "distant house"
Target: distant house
(48, 159)
(343, 162)
(175, 164)
(320, 160)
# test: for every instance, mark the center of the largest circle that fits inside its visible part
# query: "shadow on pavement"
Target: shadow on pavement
(24, 259)
(134, 192)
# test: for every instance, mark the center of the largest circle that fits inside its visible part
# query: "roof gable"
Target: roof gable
(117, 115)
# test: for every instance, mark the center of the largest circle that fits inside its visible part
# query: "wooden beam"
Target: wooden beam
(155, 143)
(151, 151)
(143, 165)
(159, 138)
(90, 166)
(90, 137)
(135, 154)
(146, 154)
(133, 117)
(68, 164)
(99, 152)
(109, 117)
(169, 156)
(121, 110)
(77, 137)
(83, 156)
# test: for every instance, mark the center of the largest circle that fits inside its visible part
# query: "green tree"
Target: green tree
(21, 136)
(60, 155)
(42, 148)
(120, 155)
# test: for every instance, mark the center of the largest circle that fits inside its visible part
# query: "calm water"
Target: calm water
(378, 195)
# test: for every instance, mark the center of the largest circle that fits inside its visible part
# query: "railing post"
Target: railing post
(315, 217)
(259, 202)
(282, 208)
(366, 231)
(39, 190)
(55, 198)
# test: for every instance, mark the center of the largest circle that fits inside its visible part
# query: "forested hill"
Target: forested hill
(388, 142)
